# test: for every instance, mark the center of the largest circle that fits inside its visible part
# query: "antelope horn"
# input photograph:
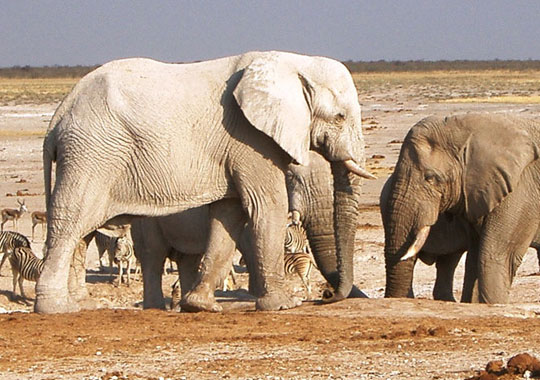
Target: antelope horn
(418, 243)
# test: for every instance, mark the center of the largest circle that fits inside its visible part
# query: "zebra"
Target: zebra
(24, 266)
(124, 256)
(9, 240)
(298, 257)
(176, 295)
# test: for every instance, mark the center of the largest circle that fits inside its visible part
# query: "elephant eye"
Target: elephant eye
(339, 117)
(432, 177)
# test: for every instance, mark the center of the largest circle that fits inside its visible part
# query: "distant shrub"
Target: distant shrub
(30, 72)
(353, 66)
(460, 65)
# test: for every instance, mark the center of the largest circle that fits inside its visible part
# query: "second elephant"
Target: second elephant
(481, 168)
(448, 240)
(311, 192)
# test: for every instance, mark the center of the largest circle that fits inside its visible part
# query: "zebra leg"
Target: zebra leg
(24, 298)
(77, 271)
(15, 274)
(4, 258)
(120, 278)
(307, 289)
(128, 265)
(175, 295)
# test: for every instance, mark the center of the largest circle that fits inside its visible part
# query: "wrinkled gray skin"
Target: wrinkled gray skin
(311, 192)
(138, 137)
(448, 239)
(482, 168)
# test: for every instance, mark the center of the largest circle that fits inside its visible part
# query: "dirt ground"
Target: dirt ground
(373, 338)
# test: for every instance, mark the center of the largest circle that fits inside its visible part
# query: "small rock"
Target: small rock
(496, 367)
(523, 362)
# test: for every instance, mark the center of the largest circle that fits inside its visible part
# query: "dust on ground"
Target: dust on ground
(373, 338)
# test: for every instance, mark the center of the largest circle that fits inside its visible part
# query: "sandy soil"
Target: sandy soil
(373, 338)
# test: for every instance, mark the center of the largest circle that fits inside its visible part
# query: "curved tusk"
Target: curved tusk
(418, 243)
(356, 169)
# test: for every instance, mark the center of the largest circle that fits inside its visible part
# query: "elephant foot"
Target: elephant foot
(154, 304)
(444, 297)
(196, 301)
(80, 294)
(277, 300)
(89, 304)
(46, 304)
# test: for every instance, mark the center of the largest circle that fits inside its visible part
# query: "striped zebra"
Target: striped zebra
(176, 295)
(124, 256)
(298, 257)
(9, 240)
(24, 266)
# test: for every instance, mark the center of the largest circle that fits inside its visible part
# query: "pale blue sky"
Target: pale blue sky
(63, 32)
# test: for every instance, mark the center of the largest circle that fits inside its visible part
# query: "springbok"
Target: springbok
(39, 217)
(13, 214)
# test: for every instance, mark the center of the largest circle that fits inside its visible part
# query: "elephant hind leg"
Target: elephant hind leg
(52, 294)
(76, 210)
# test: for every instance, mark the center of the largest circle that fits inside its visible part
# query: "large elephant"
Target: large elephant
(138, 137)
(480, 168)
(310, 190)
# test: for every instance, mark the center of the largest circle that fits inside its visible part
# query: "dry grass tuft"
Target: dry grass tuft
(34, 91)
(499, 99)
(22, 133)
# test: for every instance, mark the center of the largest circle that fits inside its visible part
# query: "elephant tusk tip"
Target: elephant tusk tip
(353, 167)
(410, 254)
(371, 176)
(418, 243)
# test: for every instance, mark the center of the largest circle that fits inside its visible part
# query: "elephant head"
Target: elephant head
(459, 165)
(331, 120)
(330, 219)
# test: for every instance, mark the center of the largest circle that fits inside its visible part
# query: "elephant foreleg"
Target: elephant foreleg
(226, 221)
(500, 252)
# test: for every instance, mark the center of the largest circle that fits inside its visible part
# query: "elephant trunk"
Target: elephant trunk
(399, 278)
(399, 221)
(347, 188)
(407, 225)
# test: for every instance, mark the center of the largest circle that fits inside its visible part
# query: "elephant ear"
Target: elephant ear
(496, 153)
(274, 98)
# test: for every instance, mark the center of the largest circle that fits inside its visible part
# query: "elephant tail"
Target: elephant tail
(49, 156)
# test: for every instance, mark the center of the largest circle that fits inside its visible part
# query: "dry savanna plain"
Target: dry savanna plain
(371, 338)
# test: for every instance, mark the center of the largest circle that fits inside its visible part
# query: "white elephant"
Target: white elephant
(138, 137)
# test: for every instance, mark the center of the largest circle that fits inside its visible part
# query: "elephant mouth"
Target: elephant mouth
(353, 167)
(418, 243)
